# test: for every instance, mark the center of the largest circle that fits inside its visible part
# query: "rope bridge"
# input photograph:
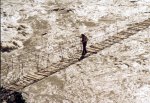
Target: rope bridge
(32, 78)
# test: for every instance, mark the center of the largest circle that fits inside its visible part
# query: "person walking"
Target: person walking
(84, 43)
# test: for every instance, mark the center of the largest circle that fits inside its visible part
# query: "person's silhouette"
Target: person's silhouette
(84, 43)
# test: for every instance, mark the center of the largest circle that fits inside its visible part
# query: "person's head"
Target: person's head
(82, 35)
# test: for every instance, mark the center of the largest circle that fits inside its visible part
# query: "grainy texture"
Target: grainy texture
(41, 38)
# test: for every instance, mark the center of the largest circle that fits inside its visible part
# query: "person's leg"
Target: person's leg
(84, 49)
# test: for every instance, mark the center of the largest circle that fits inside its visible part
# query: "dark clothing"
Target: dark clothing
(84, 39)
(84, 43)
(84, 51)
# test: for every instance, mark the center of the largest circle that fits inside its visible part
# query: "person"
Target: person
(84, 43)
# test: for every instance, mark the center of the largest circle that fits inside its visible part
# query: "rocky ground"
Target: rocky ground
(119, 74)
(32, 29)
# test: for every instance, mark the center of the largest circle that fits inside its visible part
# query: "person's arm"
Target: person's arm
(87, 38)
